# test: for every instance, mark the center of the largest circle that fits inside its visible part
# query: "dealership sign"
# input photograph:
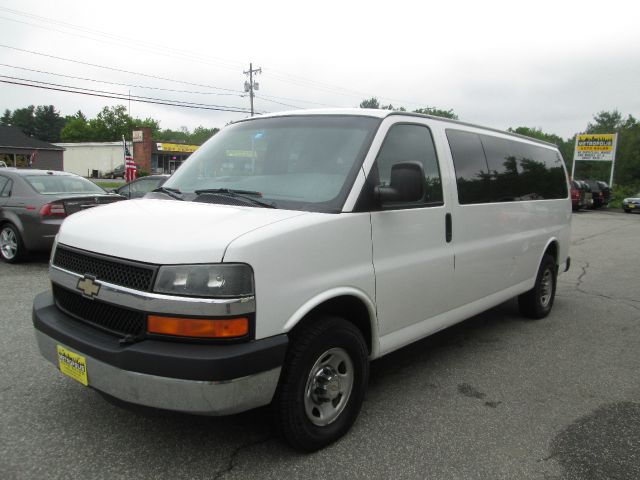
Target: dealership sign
(595, 147)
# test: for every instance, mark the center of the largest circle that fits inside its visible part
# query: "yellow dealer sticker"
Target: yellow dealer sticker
(72, 365)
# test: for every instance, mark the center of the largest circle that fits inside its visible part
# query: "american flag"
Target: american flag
(130, 168)
(32, 158)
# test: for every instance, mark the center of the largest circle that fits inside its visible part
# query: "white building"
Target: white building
(92, 159)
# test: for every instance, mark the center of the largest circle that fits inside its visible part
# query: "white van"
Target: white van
(292, 249)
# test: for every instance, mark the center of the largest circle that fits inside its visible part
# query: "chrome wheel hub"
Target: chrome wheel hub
(546, 288)
(328, 387)
(8, 243)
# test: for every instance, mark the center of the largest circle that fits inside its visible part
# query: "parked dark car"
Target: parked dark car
(631, 204)
(606, 192)
(33, 204)
(588, 196)
(578, 195)
(596, 192)
(143, 185)
(118, 171)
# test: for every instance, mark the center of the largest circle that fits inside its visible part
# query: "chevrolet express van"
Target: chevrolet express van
(292, 249)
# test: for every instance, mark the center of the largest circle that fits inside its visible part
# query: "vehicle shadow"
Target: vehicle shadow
(255, 426)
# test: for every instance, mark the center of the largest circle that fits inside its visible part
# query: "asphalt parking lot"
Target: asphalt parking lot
(496, 397)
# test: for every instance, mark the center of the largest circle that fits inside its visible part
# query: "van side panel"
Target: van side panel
(297, 261)
(500, 245)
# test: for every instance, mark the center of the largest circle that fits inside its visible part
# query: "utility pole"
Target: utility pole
(250, 86)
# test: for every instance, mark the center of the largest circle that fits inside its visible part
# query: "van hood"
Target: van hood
(165, 231)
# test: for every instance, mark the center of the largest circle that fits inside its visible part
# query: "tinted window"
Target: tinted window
(542, 174)
(145, 185)
(3, 182)
(124, 190)
(411, 143)
(505, 182)
(515, 170)
(55, 184)
(470, 164)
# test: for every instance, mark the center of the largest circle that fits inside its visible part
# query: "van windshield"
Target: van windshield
(297, 162)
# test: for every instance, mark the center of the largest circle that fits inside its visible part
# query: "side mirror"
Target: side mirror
(406, 185)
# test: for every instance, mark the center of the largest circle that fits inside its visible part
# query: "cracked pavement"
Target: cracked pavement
(496, 397)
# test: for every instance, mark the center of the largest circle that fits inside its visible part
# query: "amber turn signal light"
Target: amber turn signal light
(198, 327)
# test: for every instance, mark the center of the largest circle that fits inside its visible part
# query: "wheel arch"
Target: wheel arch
(349, 303)
(552, 248)
(13, 219)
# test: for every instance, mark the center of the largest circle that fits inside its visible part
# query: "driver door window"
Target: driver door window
(411, 143)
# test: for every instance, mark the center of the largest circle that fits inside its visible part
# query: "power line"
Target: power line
(117, 96)
(118, 69)
(112, 93)
(184, 55)
(127, 41)
(119, 83)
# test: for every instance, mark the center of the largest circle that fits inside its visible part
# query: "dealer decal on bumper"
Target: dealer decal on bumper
(72, 365)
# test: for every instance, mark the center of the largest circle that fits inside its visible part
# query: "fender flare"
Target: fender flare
(337, 292)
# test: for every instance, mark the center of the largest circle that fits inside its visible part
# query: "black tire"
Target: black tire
(537, 302)
(335, 350)
(12, 248)
(627, 211)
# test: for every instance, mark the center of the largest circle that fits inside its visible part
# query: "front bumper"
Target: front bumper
(194, 378)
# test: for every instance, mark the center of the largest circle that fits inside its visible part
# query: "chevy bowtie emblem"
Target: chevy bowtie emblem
(88, 286)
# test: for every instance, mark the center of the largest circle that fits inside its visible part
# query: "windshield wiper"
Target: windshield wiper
(172, 192)
(243, 194)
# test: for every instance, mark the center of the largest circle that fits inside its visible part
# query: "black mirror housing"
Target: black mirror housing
(406, 185)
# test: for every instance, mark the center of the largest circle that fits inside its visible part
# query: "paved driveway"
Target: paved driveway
(496, 397)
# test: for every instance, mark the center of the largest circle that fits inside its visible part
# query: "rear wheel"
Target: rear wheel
(537, 302)
(11, 245)
(322, 384)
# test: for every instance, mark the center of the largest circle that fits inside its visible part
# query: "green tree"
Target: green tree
(47, 123)
(201, 134)
(606, 122)
(111, 124)
(370, 103)
(23, 118)
(76, 129)
(6, 118)
(438, 112)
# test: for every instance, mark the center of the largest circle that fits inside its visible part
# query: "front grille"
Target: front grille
(136, 276)
(108, 317)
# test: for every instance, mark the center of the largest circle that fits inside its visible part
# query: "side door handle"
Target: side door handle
(448, 228)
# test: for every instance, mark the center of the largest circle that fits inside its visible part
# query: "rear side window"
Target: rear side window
(4, 181)
(514, 171)
(472, 175)
(56, 184)
(411, 143)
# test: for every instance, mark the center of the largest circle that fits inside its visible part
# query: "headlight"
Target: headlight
(221, 280)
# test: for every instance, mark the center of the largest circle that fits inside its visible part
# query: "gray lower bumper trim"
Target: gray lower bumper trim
(191, 396)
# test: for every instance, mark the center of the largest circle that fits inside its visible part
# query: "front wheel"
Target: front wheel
(322, 384)
(537, 302)
(11, 245)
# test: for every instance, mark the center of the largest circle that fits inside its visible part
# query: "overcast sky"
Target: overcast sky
(544, 64)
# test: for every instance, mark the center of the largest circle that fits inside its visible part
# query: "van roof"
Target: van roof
(380, 113)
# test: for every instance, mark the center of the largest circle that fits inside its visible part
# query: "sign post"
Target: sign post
(596, 147)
